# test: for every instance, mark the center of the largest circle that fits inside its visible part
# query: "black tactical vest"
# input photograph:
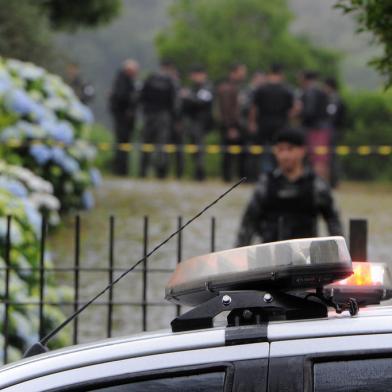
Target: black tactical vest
(290, 209)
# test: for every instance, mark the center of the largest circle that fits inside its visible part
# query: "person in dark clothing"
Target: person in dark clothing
(177, 132)
(229, 103)
(197, 113)
(272, 104)
(85, 91)
(123, 105)
(336, 112)
(252, 160)
(287, 201)
(158, 99)
(315, 121)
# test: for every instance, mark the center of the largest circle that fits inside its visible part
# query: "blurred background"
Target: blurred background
(59, 68)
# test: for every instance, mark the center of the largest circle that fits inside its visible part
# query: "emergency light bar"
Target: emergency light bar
(370, 284)
(284, 266)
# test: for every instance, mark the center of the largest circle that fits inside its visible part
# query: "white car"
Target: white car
(269, 344)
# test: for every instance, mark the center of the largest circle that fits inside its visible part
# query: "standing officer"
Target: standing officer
(158, 98)
(197, 114)
(123, 104)
(315, 120)
(272, 104)
(229, 102)
(85, 91)
(287, 201)
(252, 161)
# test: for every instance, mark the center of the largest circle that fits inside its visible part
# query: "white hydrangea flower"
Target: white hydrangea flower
(44, 200)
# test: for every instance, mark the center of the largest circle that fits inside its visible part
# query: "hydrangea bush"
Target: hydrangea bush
(25, 197)
(44, 127)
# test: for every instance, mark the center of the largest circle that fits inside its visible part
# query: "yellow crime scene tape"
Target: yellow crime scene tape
(341, 150)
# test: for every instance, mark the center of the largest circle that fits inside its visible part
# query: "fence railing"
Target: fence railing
(358, 240)
(42, 272)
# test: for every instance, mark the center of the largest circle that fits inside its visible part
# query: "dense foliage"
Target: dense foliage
(218, 33)
(45, 168)
(42, 127)
(71, 14)
(27, 26)
(26, 196)
(25, 32)
(374, 16)
(368, 124)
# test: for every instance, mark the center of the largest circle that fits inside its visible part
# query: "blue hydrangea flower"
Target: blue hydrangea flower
(33, 216)
(41, 153)
(67, 163)
(81, 112)
(5, 83)
(88, 200)
(60, 131)
(29, 130)
(19, 101)
(38, 112)
(70, 165)
(58, 155)
(13, 186)
(96, 177)
(10, 133)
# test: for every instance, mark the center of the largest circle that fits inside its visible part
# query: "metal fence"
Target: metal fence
(42, 272)
(358, 246)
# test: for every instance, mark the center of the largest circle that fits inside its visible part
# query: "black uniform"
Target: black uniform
(314, 113)
(281, 210)
(123, 103)
(273, 102)
(158, 97)
(197, 113)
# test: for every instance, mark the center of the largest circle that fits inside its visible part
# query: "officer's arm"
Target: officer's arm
(173, 97)
(118, 95)
(253, 215)
(327, 208)
(253, 119)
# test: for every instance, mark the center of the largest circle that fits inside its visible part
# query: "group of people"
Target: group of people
(246, 114)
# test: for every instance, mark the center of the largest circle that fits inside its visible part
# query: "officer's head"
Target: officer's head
(238, 72)
(131, 67)
(289, 149)
(198, 74)
(168, 67)
(307, 78)
(275, 73)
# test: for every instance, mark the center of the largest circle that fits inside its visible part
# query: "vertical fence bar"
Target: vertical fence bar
(358, 239)
(111, 266)
(76, 277)
(145, 271)
(7, 254)
(213, 231)
(179, 253)
(42, 277)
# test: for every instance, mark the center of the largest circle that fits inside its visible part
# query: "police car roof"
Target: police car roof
(372, 320)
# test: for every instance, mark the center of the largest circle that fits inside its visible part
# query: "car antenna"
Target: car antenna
(40, 347)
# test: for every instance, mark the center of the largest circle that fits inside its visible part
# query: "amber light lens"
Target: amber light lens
(365, 274)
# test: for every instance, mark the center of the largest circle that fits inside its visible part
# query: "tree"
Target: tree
(72, 14)
(374, 16)
(27, 26)
(220, 32)
(24, 32)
